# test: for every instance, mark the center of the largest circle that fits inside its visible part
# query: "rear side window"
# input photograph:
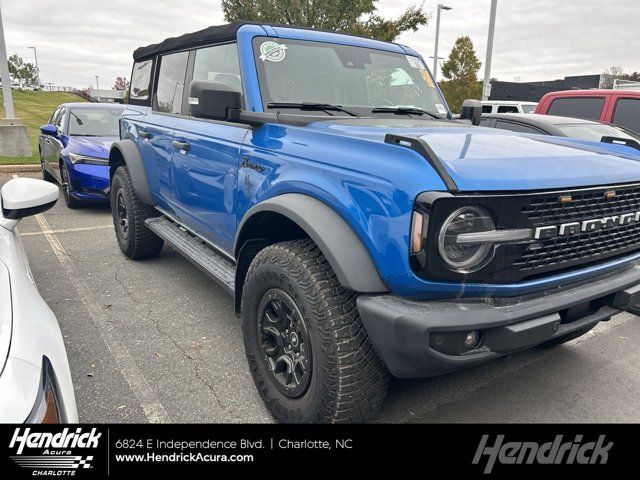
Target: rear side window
(507, 109)
(486, 109)
(627, 113)
(218, 64)
(140, 80)
(516, 127)
(588, 108)
(168, 97)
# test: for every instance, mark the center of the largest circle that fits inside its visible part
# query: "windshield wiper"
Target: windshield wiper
(78, 119)
(405, 111)
(313, 106)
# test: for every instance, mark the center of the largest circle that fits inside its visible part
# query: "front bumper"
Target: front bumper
(402, 331)
(90, 182)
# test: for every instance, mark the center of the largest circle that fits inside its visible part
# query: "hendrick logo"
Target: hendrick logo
(55, 451)
(586, 226)
(555, 452)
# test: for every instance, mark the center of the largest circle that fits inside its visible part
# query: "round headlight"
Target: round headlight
(464, 257)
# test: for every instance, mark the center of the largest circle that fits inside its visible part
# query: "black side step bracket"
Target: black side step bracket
(427, 152)
(198, 252)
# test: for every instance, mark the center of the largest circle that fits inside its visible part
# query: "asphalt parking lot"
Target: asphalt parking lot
(158, 341)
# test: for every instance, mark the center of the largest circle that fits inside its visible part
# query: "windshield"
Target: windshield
(296, 71)
(94, 122)
(529, 108)
(595, 131)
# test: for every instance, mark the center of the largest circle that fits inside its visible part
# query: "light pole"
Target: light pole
(4, 75)
(14, 137)
(98, 87)
(486, 85)
(35, 54)
(435, 50)
(434, 61)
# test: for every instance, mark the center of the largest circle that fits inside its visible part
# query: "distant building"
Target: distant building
(534, 91)
(108, 96)
(625, 85)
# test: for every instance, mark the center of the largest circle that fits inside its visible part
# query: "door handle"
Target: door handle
(182, 146)
(145, 134)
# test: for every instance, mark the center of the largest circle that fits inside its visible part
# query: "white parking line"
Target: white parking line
(146, 396)
(68, 230)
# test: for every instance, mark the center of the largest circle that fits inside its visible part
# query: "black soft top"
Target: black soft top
(214, 34)
(210, 35)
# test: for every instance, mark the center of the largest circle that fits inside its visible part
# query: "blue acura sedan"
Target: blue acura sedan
(74, 149)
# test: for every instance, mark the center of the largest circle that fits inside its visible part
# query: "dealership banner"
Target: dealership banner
(115, 451)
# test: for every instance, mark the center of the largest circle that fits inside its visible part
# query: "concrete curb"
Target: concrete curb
(19, 168)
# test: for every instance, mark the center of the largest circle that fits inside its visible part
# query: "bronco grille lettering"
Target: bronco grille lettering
(551, 231)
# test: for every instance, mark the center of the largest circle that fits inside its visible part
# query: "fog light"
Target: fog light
(456, 343)
(471, 339)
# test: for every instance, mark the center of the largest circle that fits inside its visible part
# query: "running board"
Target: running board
(194, 249)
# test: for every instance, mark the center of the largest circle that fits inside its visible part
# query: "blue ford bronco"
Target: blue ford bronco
(320, 179)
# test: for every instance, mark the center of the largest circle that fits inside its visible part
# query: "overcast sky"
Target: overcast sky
(534, 40)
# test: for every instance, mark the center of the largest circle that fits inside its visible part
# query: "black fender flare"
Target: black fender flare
(128, 151)
(342, 248)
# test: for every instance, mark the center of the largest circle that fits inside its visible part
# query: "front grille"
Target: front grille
(560, 250)
(578, 248)
(547, 210)
(516, 262)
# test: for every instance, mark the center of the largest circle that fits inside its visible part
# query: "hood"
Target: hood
(487, 159)
(91, 146)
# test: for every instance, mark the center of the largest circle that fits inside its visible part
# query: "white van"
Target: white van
(506, 106)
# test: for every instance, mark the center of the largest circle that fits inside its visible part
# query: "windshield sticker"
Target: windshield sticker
(427, 78)
(415, 62)
(441, 109)
(272, 51)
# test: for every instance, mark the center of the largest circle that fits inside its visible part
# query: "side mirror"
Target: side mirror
(49, 130)
(471, 110)
(22, 197)
(213, 100)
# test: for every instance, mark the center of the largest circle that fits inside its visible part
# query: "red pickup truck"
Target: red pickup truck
(620, 107)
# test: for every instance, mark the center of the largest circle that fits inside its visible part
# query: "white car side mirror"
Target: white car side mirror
(22, 197)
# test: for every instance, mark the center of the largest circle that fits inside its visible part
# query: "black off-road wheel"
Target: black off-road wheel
(129, 213)
(567, 338)
(308, 352)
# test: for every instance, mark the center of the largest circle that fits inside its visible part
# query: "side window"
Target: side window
(219, 64)
(54, 116)
(516, 127)
(140, 80)
(577, 107)
(60, 119)
(168, 97)
(627, 113)
(486, 108)
(507, 109)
